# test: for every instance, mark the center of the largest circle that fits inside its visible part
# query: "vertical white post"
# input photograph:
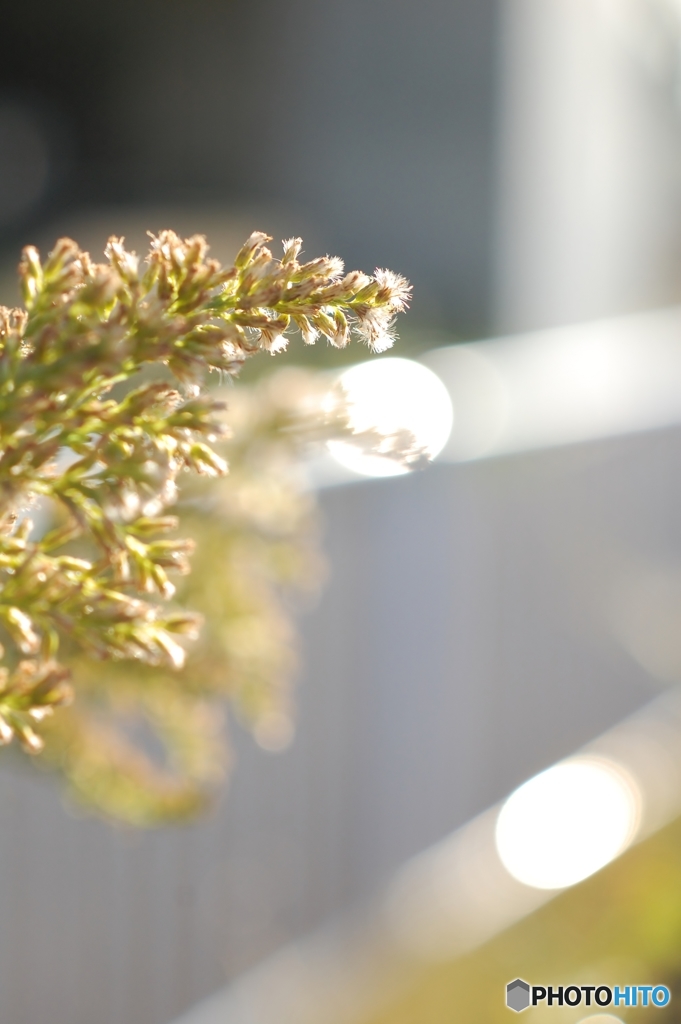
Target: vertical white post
(589, 185)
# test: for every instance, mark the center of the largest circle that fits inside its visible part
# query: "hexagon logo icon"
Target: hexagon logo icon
(517, 995)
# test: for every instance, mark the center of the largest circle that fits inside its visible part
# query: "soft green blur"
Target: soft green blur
(621, 926)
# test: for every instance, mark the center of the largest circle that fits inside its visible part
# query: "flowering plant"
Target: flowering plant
(102, 408)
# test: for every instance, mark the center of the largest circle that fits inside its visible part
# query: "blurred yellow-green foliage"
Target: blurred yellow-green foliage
(100, 460)
(147, 744)
(621, 926)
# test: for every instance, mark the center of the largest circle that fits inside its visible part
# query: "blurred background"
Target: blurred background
(371, 128)
(520, 162)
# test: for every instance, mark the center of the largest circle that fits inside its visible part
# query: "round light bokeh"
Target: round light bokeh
(601, 1018)
(390, 395)
(568, 822)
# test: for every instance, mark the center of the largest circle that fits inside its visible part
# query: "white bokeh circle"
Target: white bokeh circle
(391, 395)
(567, 822)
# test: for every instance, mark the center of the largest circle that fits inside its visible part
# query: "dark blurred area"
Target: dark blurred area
(372, 123)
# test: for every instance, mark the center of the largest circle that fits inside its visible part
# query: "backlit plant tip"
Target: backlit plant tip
(114, 483)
